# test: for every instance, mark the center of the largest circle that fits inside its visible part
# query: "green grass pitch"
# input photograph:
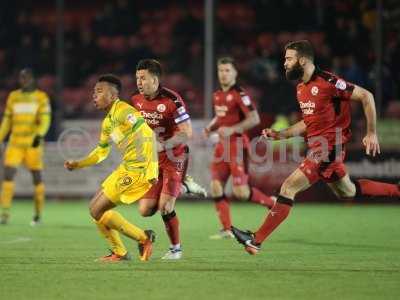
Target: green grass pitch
(321, 252)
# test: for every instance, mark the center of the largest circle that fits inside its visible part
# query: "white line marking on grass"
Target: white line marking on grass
(17, 240)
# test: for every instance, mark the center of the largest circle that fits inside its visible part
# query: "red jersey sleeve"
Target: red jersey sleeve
(343, 89)
(244, 101)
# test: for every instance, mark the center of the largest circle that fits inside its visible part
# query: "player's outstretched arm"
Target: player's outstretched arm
(99, 154)
(366, 98)
(297, 129)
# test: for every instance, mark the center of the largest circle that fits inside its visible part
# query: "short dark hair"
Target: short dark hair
(151, 65)
(226, 60)
(303, 48)
(111, 79)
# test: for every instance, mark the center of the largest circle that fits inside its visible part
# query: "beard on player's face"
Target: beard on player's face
(295, 72)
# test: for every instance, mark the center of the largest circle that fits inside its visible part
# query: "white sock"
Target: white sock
(175, 247)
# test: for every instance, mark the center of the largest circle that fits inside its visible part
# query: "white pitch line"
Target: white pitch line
(17, 240)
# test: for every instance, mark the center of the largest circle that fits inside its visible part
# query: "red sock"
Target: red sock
(171, 223)
(275, 217)
(259, 197)
(224, 213)
(376, 188)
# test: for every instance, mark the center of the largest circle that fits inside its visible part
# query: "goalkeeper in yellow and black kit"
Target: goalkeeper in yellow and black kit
(27, 117)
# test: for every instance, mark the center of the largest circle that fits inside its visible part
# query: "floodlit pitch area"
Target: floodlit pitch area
(322, 252)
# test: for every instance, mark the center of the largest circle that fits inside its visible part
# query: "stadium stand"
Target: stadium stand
(112, 35)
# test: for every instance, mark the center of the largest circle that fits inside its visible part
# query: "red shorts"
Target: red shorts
(171, 174)
(233, 162)
(328, 170)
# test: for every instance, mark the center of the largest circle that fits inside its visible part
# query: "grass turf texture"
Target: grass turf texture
(322, 252)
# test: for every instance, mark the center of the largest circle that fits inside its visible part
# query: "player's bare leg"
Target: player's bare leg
(346, 188)
(294, 184)
(241, 192)
(110, 223)
(246, 193)
(223, 210)
(7, 193)
(39, 196)
(148, 207)
(166, 206)
(343, 188)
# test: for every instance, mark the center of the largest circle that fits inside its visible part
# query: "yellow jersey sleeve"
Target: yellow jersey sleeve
(102, 150)
(7, 118)
(44, 114)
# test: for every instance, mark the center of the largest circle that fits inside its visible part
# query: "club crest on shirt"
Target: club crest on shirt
(229, 97)
(341, 84)
(126, 181)
(246, 100)
(314, 90)
(161, 107)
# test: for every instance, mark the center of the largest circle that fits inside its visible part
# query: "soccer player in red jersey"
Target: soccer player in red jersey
(324, 99)
(235, 113)
(165, 112)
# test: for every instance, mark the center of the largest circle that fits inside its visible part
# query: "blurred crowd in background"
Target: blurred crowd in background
(111, 36)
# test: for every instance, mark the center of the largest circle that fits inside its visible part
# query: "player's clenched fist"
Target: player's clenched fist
(270, 134)
(70, 165)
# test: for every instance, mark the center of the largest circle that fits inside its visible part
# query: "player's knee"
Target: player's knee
(287, 190)
(348, 192)
(9, 173)
(241, 194)
(95, 213)
(216, 189)
(146, 211)
(36, 177)
(167, 207)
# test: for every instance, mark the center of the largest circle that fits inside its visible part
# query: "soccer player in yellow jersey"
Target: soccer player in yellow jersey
(27, 117)
(125, 126)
